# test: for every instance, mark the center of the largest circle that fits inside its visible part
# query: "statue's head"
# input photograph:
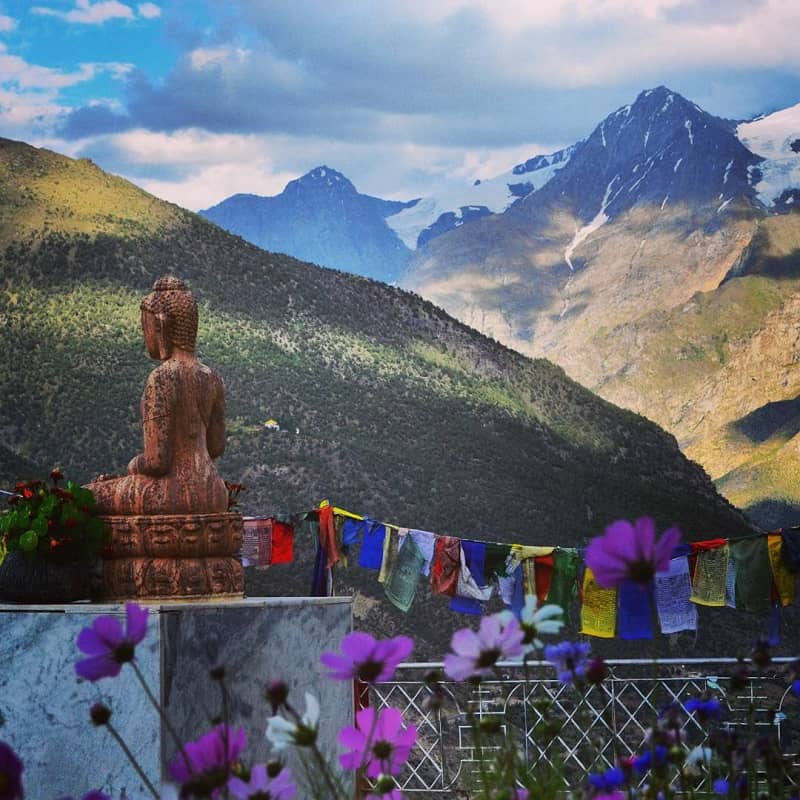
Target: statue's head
(169, 318)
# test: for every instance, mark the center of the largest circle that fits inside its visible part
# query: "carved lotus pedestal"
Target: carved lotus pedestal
(173, 557)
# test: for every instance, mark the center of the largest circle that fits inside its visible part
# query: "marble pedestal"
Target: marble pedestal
(46, 708)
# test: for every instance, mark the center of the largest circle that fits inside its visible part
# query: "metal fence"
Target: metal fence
(587, 731)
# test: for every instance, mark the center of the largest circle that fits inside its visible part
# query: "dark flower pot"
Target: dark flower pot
(34, 580)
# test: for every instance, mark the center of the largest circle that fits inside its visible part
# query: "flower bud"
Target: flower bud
(596, 671)
(491, 724)
(384, 784)
(305, 737)
(276, 692)
(100, 714)
(273, 768)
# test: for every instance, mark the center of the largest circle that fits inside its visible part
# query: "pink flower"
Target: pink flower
(380, 744)
(281, 787)
(209, 756)
(474, 654)
(366, 658)
(107, 646)
(630, 552)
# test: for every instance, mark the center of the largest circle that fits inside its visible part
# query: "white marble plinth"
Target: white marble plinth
(46, 707)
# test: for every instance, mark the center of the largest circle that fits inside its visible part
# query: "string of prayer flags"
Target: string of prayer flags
(710, 572)
(785, 580)
(756, 573)
(598, 609)
(673, 590)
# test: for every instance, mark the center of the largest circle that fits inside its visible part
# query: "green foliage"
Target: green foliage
(55, 524)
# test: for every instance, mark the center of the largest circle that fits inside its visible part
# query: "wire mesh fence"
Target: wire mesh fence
(584, 731)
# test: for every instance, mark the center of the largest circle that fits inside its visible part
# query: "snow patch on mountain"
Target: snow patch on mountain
(584, 232)
(495, 195)
(772, 137)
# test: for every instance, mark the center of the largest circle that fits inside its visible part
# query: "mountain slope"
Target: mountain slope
(597, 268)
(403, 413)
(320, 218)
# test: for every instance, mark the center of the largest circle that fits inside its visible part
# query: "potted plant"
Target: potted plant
(50, 537)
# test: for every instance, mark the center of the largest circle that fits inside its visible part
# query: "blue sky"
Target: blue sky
(198, 99)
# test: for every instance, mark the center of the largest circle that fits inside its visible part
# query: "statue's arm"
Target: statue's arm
(157, 425)
(215, 435)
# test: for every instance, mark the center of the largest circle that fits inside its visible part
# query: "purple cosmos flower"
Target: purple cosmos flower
(208, 758)
(608, 781)
(10, 774)
(722, 786)
(704, 709)
(627, 551)
(381, 744)
(260, 785)
(616, 795)
(652, 759)
(107, 646)
(474, 654)
(796, 687)
(366, 658)
(569, 660)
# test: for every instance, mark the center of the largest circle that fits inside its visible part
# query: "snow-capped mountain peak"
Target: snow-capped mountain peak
(776, 138)
(323, 179)
(660, 149)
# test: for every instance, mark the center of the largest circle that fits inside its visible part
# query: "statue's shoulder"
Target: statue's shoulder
(212, 375)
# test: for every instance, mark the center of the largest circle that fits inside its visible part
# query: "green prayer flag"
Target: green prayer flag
(401, 585)
(753, 574)
(564, 581)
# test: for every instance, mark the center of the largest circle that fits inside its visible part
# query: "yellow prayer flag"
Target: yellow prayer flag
(523, 551)
(785, 581)
(598, 609)
(710, 576)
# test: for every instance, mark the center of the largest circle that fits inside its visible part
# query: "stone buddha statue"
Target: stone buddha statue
(183, 419)
(170, 532)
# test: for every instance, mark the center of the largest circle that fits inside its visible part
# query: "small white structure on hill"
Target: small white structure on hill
(272, 425)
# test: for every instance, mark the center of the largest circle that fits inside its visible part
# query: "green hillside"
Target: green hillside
(403, 413)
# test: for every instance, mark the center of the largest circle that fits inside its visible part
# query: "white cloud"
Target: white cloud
(15, 70)
(197, 169)
(204, 57)
(7, 23)
(149, 10)
(88, 13)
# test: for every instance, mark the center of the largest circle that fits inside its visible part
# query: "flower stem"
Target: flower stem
(125, 749)
(226, 718)
(164, 718)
